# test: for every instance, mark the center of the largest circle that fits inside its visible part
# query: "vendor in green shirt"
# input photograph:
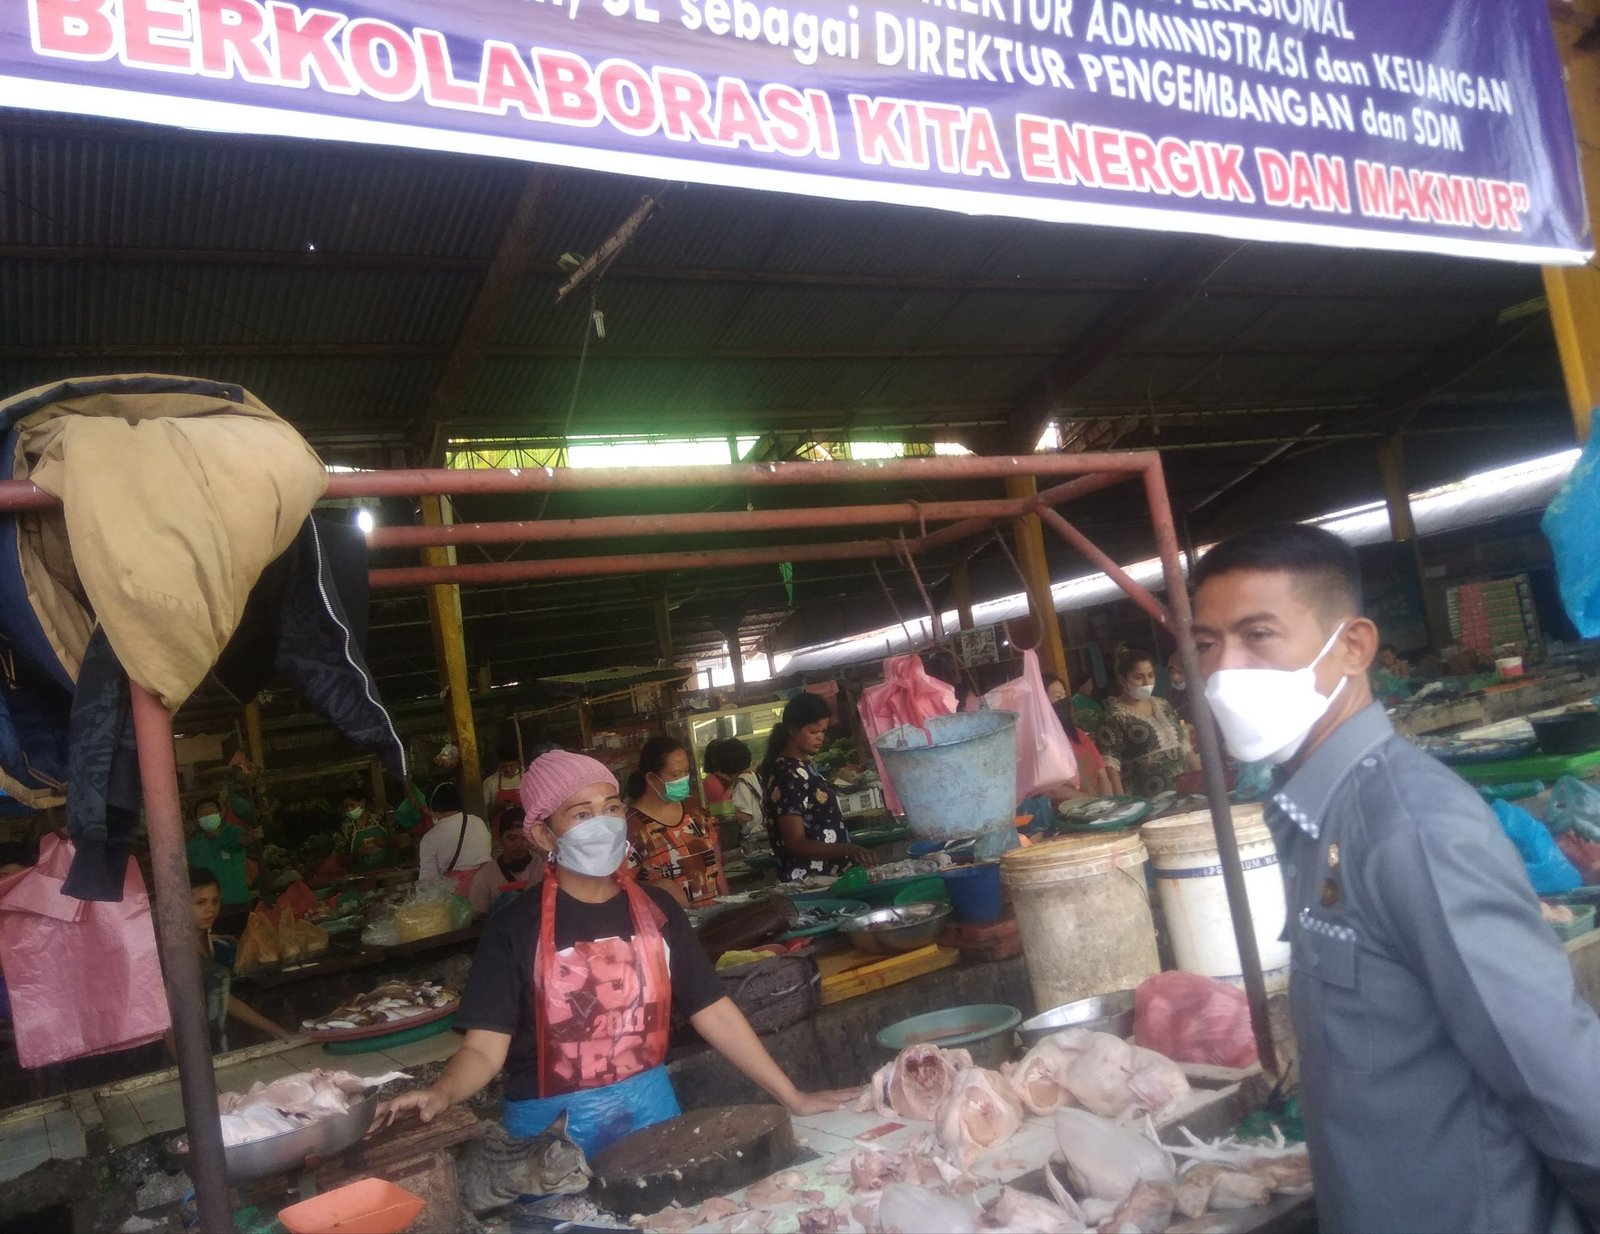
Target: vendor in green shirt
(365, 844)
(219, 847)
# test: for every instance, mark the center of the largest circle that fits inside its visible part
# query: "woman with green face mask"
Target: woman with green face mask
(670, 843)
(218, 846)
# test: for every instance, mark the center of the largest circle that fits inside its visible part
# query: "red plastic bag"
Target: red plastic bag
(1044, 755)
(83, 976)
(1194, 1019)
(298, 897)
(907, 695)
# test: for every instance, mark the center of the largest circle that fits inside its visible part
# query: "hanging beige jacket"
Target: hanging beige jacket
(172, 506)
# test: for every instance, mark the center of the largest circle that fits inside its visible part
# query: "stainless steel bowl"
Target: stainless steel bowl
(290, 1151)
(1107, 1013)
(888, 931)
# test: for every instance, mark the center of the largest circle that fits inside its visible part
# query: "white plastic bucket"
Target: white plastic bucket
(1084, 916)
(1194, 899)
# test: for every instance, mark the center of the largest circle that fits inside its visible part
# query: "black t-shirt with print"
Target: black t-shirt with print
(499, 993)
(800, 789)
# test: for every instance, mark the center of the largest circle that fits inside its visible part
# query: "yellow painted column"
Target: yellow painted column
(252, 735)
(450, 645)
(1029, 532)
(1574, 291)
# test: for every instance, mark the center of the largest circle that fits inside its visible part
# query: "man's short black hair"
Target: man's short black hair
(1324, 566)
(201, 876)
(207, 801)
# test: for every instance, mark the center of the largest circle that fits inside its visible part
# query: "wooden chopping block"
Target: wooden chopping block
(693, 1157)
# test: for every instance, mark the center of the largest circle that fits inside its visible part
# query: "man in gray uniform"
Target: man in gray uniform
(1450, 1072)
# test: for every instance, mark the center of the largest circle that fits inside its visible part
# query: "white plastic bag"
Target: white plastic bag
(1044, 755)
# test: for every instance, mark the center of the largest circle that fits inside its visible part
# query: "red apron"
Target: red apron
(602, 1010)
(502, 799)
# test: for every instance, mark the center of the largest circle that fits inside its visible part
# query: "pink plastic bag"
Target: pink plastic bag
(907, 695)
(1044, 754)
(83, 976)
(1194, 1019)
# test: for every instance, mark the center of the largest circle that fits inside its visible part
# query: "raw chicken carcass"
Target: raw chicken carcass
(1228, 1188)
(906, 1209)
(1017, 1212)
(915, 1083)
(1289, 1175)
(1158, 1084)
(1106, 1160)
(1147, 1210)
(1040, 1078)
(1099, 1074)
(980, 1113)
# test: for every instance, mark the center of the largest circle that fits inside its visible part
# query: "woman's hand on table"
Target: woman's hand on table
(857, 855)
(803, 1104)
(427, 1102)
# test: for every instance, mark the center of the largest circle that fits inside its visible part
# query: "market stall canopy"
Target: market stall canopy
(1431, 126)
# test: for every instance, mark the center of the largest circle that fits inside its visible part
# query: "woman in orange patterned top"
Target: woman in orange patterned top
(671, 845)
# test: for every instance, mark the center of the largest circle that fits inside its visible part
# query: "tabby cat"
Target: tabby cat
(497, 1168)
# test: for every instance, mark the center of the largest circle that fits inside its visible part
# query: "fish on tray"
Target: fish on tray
(393, 1000)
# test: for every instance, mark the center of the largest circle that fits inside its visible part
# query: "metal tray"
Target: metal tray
(293, 1150)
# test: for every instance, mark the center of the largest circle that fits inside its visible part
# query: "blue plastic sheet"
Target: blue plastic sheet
(1548, 868)
(599, 1117)
(1572, 525)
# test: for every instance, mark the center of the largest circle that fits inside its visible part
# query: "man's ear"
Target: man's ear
(1357, 647)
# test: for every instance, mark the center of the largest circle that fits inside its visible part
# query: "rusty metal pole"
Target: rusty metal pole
(1111, 569)
(1255, 985)
(180, 962)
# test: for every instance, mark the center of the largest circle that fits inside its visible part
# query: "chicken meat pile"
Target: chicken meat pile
(1108, 1171)
(292, 1102)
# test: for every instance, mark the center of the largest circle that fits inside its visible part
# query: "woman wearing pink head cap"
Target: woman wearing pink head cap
(573, 985)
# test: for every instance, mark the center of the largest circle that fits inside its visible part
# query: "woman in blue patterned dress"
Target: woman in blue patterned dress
(800, 807)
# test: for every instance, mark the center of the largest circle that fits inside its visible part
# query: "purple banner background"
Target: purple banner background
(1482, 164)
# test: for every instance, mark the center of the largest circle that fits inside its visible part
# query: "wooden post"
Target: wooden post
(1403, 527)
(661, 612)
(1573, 292)
(961, 588)
(1036, 574)
(449, 642)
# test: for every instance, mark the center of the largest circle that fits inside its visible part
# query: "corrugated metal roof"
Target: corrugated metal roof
(333, 281)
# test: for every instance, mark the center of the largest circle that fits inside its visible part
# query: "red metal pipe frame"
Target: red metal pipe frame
(441, 481)
(1255, 986)
(1097, 556)
(617, 526)
(158, 772)
(573, 567)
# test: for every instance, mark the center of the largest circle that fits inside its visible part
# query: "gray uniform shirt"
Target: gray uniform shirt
(1450, 1071)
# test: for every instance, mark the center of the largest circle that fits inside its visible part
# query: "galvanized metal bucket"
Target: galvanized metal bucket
(956, 775)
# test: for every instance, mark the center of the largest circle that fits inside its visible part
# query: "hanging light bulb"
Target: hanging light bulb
(365, 521)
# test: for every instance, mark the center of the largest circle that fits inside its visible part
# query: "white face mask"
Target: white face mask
(1141, 692)
(1179, 684)
(595, 846)
(1266, 713)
